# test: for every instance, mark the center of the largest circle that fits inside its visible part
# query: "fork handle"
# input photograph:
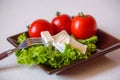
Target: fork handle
(6, 53)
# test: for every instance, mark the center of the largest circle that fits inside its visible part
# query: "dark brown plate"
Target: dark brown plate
(106, 43)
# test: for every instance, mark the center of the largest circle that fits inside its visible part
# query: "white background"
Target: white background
(15, 15)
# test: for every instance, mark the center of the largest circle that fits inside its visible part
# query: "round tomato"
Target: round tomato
(83, 26)
(62, 22)
(38, 26)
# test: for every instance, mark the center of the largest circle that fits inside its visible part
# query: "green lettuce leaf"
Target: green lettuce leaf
(40, 54)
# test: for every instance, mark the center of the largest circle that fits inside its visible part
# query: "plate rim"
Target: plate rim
(93, 56)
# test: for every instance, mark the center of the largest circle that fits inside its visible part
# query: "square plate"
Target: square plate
(106, 43)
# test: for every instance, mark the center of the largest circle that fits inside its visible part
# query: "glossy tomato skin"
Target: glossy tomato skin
(62, 22)
(83, 27)
(38, 26)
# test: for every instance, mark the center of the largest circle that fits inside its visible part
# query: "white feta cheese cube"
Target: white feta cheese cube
(46, 36)
(60, 40)
(59, 46)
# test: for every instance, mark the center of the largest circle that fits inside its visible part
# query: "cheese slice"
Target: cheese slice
(47, 38)
(62, 38)
(74, 43)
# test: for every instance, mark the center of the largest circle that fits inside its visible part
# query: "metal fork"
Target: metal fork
(25, 44)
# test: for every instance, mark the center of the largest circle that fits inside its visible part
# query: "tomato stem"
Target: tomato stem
(81, 14)
(28, 26)
(58, 13)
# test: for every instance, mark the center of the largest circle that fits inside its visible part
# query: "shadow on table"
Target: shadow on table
(90, 68)
(10, 66)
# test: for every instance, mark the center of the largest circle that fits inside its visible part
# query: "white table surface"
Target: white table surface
(15, 15)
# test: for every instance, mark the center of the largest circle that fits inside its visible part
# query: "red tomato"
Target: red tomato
(62, 22)
(83, 26)
(38, 26)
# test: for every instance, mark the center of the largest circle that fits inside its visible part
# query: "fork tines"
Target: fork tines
(35, 40)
